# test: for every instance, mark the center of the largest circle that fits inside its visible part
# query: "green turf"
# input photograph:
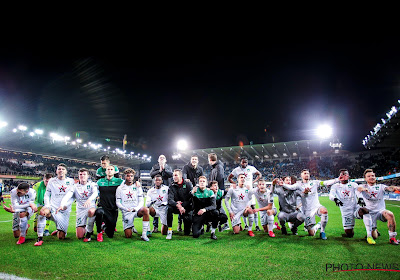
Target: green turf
(230, 257)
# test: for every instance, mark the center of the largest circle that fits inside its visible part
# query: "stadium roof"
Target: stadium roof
(387, 133)
(22, 142)
(261, 152)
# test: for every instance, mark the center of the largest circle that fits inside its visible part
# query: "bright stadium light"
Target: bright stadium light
(15, 130)
(32, 134)
(3, 124)
(324, 131)
(78, 140)
(22, 127)
(182, 145)
(39, 131)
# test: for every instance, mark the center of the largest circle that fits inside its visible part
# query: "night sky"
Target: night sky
(214, 94)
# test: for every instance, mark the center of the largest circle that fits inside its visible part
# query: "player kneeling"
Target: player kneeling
(371, 194)
(129, 199)
(23, 207)
(157, 202)
(204, 208)
(57, 188)
(267, 208)
(85, 194)
(344, 195)
(219, 196)
(240, 205)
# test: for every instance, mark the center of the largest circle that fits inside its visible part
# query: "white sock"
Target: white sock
(392, 234)
(145, 227)
(250, 222)
(23, 224)
(290, 225)
(324, 221)
(245, 221)
(368, 224)
(213, 230)
(90, 224)
(256, 219)
(40, 225)
(270, 220)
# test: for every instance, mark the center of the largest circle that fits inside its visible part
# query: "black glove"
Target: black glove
(361, 202)
(338, 202)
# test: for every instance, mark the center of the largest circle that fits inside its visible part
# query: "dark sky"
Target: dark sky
(211, 93)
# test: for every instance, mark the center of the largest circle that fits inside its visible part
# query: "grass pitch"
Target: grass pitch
(183, 257)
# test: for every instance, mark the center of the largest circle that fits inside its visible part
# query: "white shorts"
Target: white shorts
(161, 212)
(375, 216)
(349, 216)
(310, 216)
(81, 216)
(61, 219)
(236, 219)
(264, 216)
(127, 219)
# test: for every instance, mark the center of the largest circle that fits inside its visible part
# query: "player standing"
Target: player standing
(249, 172)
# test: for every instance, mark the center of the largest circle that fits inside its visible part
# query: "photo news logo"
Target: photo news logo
(338, 267)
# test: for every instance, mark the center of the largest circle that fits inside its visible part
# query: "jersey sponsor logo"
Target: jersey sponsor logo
(62, 188)
(346, 193)
(129, 194)
(160, 198)
(373, 194)
(85, 194)
(241, 197)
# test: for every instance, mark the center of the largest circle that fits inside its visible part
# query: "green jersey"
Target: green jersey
(101, 172)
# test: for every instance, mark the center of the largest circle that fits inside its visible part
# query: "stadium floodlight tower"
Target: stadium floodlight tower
(324, 131)
(182, 145)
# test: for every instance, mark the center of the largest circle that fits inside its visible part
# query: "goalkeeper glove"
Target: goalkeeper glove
(338, 202)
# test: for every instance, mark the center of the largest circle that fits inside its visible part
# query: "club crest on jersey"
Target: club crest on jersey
(67, 183)
(62, 188)
(88, 187)
(311, 184)
(164, 191)
(184, 186)
(134, 188)
(246, 191)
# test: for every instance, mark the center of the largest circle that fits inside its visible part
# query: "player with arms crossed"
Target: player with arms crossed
(157, 202)
(130, 201)
(85, 194)
(310, 201)
(344, 195)
(249, 172)
(371, 195)
(56, 189)
(240, 205)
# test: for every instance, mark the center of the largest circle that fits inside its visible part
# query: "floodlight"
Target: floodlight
(22, 127)
(182, 145)
(3, 124)
(324, 131)
(39, 131)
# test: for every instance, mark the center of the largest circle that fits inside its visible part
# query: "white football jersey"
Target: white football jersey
(157, 197)
(56, 190)
(129, 197)
(374, 200)
(346, 193)
(263, 198)
(21, 203)
(82, 193)
(240, 198)
(248, 172)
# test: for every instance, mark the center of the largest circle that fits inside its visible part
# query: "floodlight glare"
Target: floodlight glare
(39, 131)
(3, 124)
(79, 140)
(22, 127)
(324, 131)
(14, 130)
(182, 145)
(32, 134)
